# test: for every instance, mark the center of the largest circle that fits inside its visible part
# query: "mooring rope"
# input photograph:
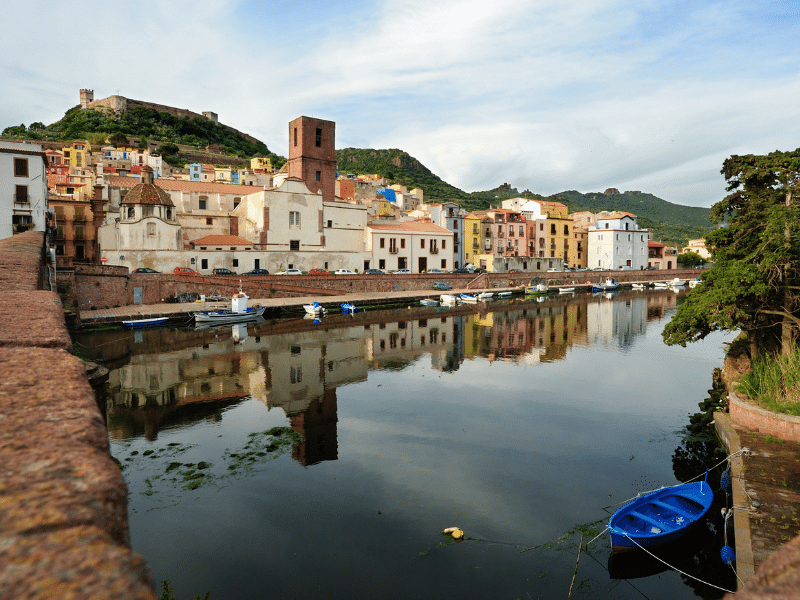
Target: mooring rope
(678, 570)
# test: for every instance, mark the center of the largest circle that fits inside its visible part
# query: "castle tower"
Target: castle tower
(312, 155)
(87, 96)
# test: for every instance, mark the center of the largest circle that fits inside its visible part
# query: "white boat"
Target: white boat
(695, 282)
(483, 296)
(314, 309)
(428, 302)
(536, 290)
(637, 286)
(448, 299)
(239, 312)
(504, 294)
(678, 282)
(468, 298)
(144, 323)
(660, 285)
(609, 285)
(566, 290)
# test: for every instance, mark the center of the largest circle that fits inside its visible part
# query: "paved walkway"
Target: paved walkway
(149, 311)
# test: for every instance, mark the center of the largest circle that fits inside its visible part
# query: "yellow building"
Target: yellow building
(261, 164)
(76, 154)
(474, 238)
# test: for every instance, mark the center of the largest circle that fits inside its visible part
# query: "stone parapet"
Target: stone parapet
(63, 500)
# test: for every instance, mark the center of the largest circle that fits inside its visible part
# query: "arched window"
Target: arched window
(131, 212)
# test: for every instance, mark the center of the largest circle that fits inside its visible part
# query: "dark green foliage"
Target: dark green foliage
(754, 282)
(398, 166)
(690, 259)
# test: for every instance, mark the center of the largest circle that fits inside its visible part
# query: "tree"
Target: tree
(755, 282)
(690, 259)
(118, 139)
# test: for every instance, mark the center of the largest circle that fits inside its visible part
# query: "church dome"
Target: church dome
(147, 192)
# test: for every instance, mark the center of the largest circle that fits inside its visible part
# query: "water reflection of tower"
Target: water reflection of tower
(317, 424)
(452, 357)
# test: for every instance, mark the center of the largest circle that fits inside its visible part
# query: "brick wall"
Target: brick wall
(63, 515)
(746, 414)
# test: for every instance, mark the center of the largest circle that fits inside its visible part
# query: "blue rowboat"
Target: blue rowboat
(659, 517)
(347, 307)
(145, 323)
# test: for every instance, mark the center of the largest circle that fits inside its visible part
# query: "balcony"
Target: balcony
(392, 250)
(434, 250)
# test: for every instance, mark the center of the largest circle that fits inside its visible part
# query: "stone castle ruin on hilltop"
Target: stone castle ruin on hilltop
(122, 104)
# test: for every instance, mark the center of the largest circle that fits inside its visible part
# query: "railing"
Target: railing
(392, 250)
(435, 250)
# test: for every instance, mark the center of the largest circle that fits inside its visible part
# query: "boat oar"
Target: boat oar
(577, 560)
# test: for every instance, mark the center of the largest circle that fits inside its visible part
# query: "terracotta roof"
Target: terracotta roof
(147, 193)
(656, 245)
(181, 185)
(221, 240)
(420, 226)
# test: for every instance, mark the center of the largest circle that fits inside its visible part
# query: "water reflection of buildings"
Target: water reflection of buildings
(299, 371)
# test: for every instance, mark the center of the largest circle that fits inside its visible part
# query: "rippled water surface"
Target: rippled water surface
(295, 460)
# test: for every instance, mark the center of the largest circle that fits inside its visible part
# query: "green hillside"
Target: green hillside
(673, 224)
(400, 167)
(139, 123)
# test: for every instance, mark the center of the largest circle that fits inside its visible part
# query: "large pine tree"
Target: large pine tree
(755, 282)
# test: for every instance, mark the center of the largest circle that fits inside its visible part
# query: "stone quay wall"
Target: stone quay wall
(98, 286)
(63, 500)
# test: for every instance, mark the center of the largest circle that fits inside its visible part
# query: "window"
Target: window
(204, 263)
(566, 229)
(294, 244)
(541, 226)
(318, 139)
(21, 194)
(202, 202)
(131, 212)
(79, 233)
(444, 244)
(209, 221)
(318, 175)
(402, 242)
(235, 262)
(294, 219)
(383, 243)
(151, 229)
(20, 167)
(382, 264)
(521, 231)
(236, 202)
(330, 223)
(147, 211)
(444, 263)
(552, 229)
(422, 244)
(295, 136)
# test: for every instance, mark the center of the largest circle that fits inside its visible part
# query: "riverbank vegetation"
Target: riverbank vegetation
(774, 382)
(754, 285)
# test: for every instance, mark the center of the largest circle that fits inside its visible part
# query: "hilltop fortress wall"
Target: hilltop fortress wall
(122, 104)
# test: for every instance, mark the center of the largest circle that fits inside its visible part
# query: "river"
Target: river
(301, 460)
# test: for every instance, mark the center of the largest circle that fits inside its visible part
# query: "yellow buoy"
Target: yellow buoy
(458, 534)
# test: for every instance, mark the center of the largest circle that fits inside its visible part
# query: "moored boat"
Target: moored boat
(145, 323)
(637, 286)
(609, 285)
(678, 282)
(468, 298)
(693, 283)
(536, 290)
(660, 285)
(314, 309)
(428, 302)
(566, 290)
(348, 308)
(504, 294)
(239, 312)
(448, 299)
(660, 516)
(484, 296)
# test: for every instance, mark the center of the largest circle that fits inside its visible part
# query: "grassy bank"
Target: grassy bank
(774, 382)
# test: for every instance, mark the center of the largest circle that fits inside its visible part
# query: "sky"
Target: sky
(545, 95)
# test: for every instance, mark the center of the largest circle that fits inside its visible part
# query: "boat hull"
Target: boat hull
(145, 323)
(226, 316)
(659, 517)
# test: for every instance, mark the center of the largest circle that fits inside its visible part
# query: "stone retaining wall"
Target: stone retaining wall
(747, 414)
(63, 500)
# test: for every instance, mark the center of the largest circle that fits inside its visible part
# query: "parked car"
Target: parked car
(145, 270)
(343, 272)
(515, 271)
(401, 272)
(374, 272)
(319, 272)
(257, 272)
(554, 270)
(461, 270)
(222, 271)
(598, 269)
(184, 271)
(290, 272)
(651, 268)
(436, 271)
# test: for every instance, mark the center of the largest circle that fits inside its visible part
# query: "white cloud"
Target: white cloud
(546, 95)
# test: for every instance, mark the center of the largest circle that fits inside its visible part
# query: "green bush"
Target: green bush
(774, 382)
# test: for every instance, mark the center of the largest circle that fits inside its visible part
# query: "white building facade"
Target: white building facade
(23, 188)
(616, 242)
(414, 245)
